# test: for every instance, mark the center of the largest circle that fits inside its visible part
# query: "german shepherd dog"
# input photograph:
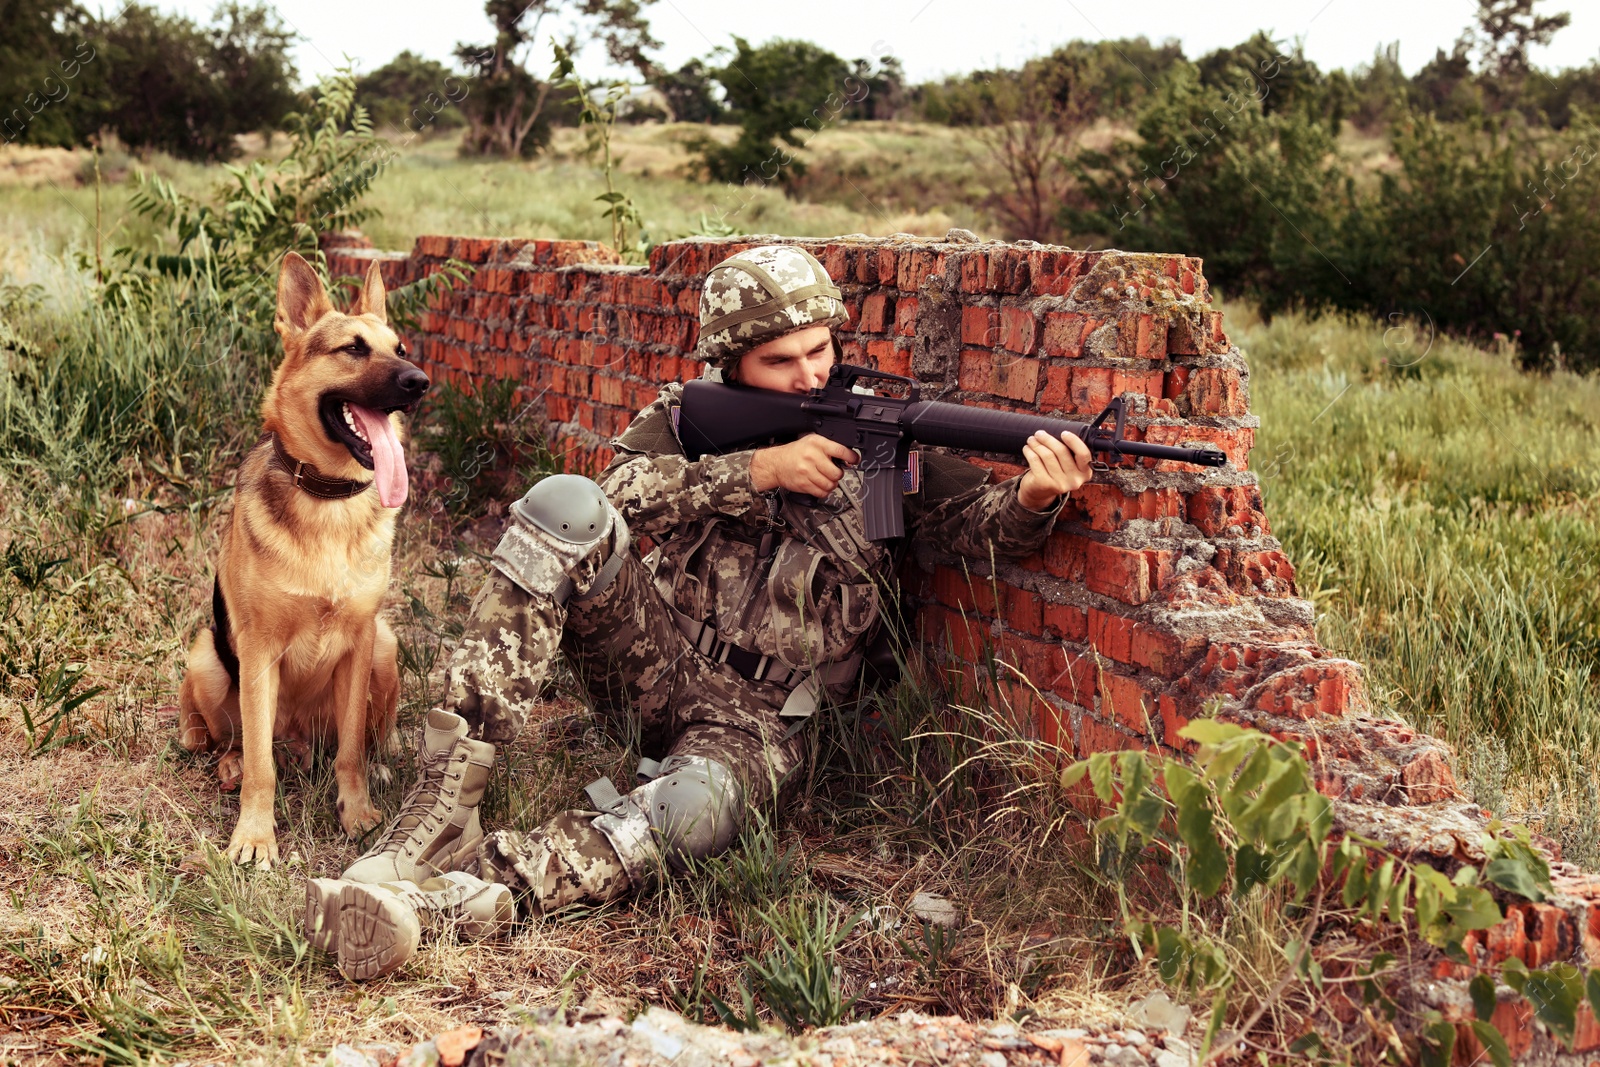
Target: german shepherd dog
(297, 652)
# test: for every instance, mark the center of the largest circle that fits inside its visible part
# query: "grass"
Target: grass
(1442, 512)
(428, 189)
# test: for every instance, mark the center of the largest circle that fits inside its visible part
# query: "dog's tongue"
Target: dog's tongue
(388, 461)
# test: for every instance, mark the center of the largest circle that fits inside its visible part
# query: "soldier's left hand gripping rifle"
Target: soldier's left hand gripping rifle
(716, 418)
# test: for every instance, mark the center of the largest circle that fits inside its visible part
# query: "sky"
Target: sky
(932, 38)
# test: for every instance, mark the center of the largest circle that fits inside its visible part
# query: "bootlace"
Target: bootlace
(417, 810)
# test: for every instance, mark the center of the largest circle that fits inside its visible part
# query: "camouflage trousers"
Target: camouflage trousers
(634, 662)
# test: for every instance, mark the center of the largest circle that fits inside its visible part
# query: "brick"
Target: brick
(1021, 609)
(1055, 730)
(1008, 376)
(912, 269)
(1172, 722)
(1067, 621)
(964, 592)
(1054, 273)
(1057, 392)
(1095, 736)
(887, 271)
(1150, 338)
(1158, 651)
(1091, 390)
(889, 358)
(1078, 682)
(1066, 555)
(1117, 572)
(1064, 333)
(980, 326)
(1018, 330)
(1111, 635)
(905, 316)
(1548, 938)
(877, 311)
(1107, 508)
(1147, 383)
(974, 272)
(1235, 444)
(1215, 391)
(1127, 700)
(1214, 508)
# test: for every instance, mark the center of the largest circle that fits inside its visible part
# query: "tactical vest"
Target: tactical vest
(801, 584)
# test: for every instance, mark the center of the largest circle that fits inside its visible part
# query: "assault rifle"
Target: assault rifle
(716, 418)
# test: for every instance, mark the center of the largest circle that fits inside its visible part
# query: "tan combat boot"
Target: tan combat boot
(437, 829)
(372, 929)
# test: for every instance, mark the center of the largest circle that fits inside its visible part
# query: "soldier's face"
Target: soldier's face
(797, 362)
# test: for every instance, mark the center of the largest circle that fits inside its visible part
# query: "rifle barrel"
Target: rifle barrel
(933, 422)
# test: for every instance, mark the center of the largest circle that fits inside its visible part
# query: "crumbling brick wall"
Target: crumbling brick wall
(1162, 588)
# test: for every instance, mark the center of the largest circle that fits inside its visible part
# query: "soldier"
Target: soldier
(759, 597)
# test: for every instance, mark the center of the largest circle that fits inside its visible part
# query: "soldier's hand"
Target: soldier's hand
(1056, 466)
(810, 465)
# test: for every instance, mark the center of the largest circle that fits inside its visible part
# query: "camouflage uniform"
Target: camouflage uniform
(795, 582)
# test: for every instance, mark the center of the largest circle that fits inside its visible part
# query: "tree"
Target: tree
(43, 55)
(1032, 123)
(773, 91)
(505, 111)
(412, 95)
(173, 85)
(1505, 30)
(689, 93)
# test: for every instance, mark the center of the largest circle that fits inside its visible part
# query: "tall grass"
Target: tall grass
(1443, 511)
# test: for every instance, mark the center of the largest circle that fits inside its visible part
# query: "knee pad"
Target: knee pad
(691, 812)
(565, 539)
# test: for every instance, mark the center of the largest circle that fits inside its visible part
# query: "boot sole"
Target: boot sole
(376, 931)
(322, 914)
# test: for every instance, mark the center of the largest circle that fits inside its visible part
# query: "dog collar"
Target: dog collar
(310, 479)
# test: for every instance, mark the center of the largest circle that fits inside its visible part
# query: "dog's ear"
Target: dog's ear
(374, 298)
(302, 300)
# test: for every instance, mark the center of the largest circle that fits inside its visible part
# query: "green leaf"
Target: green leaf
(1473, 909)
(1593, 988)
(1207, 866)
(1219, 1011)
(1355, 883)
(1305, 866)
(1493, 1041)
(1514, 973)
(1514, 876)
(1172, 954)
(1438, 1042)
(1554, 994)
(1481, 989)
(1378, 890)
(1073, 774)
(1210, 732)
(1100, 776)
(1251, 867)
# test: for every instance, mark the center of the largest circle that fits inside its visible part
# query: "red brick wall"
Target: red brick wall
(1162, 587)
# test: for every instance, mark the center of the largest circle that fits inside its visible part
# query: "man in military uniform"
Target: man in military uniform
(755, 604)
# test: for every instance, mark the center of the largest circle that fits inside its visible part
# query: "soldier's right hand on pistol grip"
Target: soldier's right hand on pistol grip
(811, 465)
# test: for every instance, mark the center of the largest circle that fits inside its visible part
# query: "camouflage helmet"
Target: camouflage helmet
(760, 294)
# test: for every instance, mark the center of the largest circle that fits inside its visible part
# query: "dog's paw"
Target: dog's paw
(357, 817)
(382, 774)
(253, 844)
(194, 738)
(230, 771)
